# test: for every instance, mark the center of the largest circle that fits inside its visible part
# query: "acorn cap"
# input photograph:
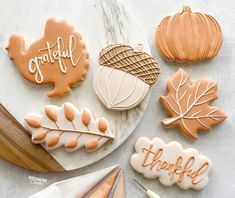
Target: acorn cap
(125, 58)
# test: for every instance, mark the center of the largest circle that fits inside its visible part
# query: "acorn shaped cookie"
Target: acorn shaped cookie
(188, 37)
(124, 76)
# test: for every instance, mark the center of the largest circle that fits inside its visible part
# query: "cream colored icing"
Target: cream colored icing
(118, 90)
(171, 163)
(69, 127)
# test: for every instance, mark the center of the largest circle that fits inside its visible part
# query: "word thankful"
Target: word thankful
(182, 167)
(54, 53)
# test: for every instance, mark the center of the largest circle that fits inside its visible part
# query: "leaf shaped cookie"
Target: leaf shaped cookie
(68, 127)
(189, 104)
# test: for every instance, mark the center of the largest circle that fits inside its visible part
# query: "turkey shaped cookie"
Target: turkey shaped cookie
(58, 58)
(189, 105)
(124, 77)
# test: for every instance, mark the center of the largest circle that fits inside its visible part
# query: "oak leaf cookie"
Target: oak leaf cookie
(189, 105)
(171, 163)
(124, 76)
(188, 36)
(59, 57)
(68, 127)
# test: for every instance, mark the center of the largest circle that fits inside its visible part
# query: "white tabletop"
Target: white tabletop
(218, 145)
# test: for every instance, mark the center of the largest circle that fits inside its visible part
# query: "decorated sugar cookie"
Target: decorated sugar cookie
(189, 105)
(124, 76)
(67, 126)
(188, 36)
(171, 163)
(58, 58)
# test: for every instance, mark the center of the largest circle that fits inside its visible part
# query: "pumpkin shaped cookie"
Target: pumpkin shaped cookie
(188, 37)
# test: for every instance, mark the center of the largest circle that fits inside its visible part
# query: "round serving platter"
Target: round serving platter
(100, 23)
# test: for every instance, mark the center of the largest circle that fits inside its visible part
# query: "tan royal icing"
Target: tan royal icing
(58, 58)
(120, 191)
(50, 114)
(102, 125)
(68, 112)
(52, 141)
(64, 126)
(34, 123)
(188, 36)
(92, 145)
(86, 118)
(189, 104)
(122, 65)
(105, 188)
(40, 135)
(171, 163)
(71, 143)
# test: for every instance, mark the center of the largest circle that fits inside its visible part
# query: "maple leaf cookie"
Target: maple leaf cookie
(189, 105)
(59, 57)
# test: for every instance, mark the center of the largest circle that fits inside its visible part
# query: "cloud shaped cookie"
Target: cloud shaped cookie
(171, 163)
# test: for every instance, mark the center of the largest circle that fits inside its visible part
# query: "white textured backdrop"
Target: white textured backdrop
(218, 145)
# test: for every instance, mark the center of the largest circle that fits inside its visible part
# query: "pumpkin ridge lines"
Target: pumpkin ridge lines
(209, 29)
(192, 48)
(197, 23)
(165, 40)
(174, 39)
(188, 37)
(219, 35)
(187, 41)
(169, 31)
(164, 49)
(178, 43)
(201, 55)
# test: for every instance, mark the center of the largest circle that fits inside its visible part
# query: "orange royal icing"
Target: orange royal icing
(58, 58)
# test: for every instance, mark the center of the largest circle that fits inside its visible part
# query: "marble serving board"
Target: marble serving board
(100, 23)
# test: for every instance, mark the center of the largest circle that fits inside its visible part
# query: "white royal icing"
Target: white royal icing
(118, 90)
(171, 163)
(72, 130)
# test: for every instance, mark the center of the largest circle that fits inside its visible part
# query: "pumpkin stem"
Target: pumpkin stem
(186, 8)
